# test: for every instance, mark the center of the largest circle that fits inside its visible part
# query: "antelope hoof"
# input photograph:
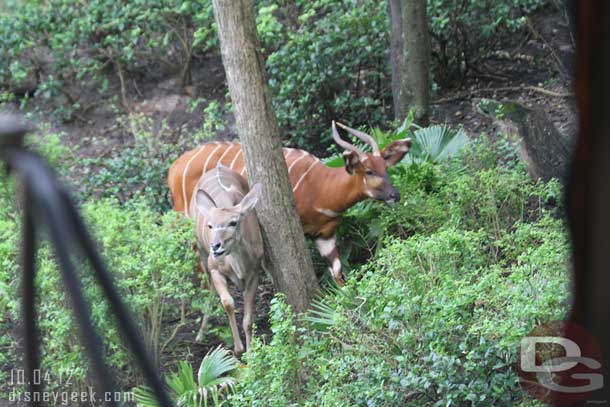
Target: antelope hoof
(339, 277)
(238, 351)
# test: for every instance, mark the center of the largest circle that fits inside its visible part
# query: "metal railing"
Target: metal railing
(48, 205)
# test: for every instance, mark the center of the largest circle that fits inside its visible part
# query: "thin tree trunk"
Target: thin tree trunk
(397, 58)
(410, 59)
(291, 265)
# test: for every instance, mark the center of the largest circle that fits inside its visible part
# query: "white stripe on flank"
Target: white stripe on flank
(328, 212)
(303, 155)
(311, 167)
(235, 159)
(186, 168)
(243, 170)
(205, 167)
(225, 153)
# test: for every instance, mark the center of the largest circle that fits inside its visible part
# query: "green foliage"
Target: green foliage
(326, 66)
(216, 377)
(436, 143)
(9, 263)
(152, 260)
(326, 59)
(60, 42)
(464, 32)
(136, 170)
(53, 147)
(271, 378)
(466, 264)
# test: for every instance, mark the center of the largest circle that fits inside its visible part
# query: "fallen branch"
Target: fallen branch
(172, 336)
(537, 89)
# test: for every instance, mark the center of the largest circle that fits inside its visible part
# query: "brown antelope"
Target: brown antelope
(322, 193)
(229, 241)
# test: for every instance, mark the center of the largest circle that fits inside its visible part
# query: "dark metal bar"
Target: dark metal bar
(28, 256)
(104, 278)
(51, 212)
(48, 204)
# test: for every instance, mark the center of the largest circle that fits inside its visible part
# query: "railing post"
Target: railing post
(12, 131)
(48, 205)
(12, 134)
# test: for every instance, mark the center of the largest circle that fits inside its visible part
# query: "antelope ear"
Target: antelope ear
(352, 160)
(249, 201)
(204, 201)
(394, 152)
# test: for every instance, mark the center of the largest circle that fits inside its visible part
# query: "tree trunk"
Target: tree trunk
(291, 265)
(410, 59)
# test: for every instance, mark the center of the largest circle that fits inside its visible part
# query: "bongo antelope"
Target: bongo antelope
(229, 241)
(322, 193)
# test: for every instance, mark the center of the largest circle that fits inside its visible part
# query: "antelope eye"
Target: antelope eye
(369, 172)
(232, 224)
(209, 226)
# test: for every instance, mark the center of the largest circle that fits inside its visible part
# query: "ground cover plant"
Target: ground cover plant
(440, 289)
(469, 262)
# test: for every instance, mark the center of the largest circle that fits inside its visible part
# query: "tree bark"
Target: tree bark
(291, 265)
(410, 59)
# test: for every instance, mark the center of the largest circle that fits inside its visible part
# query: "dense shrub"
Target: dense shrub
(59, 43)
(153, 262)
(8, 268)
(463, 32)
(326, 59)
(331, 63)
(329, 59)
(466, 265)
(137, 169)
(486, 188)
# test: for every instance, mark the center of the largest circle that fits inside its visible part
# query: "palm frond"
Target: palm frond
(182, 382)
(321, 315)
(325, 312)
(215, 374)
(213, 379)
(145, 397)
(214, 365)
(436, 143)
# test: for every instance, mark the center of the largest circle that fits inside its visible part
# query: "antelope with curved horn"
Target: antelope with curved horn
(322, 193)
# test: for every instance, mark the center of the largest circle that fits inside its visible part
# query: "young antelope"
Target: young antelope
(229, 241)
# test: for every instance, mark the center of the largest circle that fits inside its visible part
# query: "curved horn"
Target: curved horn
(343, 143)
(362, 136)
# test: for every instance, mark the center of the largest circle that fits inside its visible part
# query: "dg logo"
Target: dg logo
(560, 363)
